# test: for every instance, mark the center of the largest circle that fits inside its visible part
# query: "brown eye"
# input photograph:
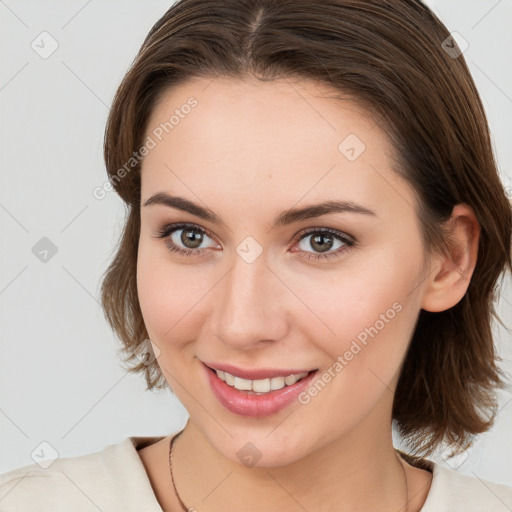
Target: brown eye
(191, 238)
(184, 239)
(322, 241)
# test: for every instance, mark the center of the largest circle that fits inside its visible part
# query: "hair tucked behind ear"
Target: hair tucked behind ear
(388, 55)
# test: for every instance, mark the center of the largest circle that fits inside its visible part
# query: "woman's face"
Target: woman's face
(338, 291)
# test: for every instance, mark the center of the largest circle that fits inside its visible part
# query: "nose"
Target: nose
(251, 310)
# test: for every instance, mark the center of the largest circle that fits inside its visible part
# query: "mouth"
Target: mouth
(257, 398)
(261, 386)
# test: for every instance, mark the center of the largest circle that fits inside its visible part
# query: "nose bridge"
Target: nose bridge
(247, 311)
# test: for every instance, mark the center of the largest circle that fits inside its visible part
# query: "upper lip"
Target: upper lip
(255, 374)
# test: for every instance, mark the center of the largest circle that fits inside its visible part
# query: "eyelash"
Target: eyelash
(171, 228)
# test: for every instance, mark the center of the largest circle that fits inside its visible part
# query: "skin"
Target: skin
(248, 151)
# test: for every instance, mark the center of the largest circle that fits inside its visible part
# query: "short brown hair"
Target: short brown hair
(390, 55)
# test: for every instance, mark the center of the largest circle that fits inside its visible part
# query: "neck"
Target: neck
(359, 475)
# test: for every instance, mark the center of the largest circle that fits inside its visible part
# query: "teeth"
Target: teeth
(261, 385)
(277, 383)
(243, 384)
(291, 379)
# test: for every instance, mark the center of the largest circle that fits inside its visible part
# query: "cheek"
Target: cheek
(371, 317)
(362, 358)
(158, 295)
(369, 331)
(358, 301)
(370, 308)
(170, 296)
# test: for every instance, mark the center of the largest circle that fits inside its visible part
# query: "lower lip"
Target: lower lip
(256, 406)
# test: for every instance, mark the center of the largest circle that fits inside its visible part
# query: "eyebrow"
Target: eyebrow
(283, 219)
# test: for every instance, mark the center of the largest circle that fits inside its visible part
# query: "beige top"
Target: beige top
(115, 479)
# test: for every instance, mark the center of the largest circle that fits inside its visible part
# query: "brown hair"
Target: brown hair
(392, 57)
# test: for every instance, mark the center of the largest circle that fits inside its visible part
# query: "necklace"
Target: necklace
(189, 509)
(183, 506)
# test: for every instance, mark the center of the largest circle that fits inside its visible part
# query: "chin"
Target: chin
(263, 453)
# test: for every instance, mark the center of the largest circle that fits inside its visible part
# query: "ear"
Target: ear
(449, 280)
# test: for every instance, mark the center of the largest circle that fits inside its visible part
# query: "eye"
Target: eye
(186, 240)
(323, 240)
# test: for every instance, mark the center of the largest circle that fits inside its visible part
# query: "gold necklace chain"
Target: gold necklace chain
(189, 509)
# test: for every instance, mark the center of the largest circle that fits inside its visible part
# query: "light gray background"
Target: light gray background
(61, 379)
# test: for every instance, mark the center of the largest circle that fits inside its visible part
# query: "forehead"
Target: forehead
(286, 138)
(223, 104)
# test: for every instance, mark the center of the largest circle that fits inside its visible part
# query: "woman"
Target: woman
(315, 229)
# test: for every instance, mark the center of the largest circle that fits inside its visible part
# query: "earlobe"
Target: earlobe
(448, 282)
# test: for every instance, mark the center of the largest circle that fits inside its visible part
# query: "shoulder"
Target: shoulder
(453, 491)
(101, 480)
(65, 481)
